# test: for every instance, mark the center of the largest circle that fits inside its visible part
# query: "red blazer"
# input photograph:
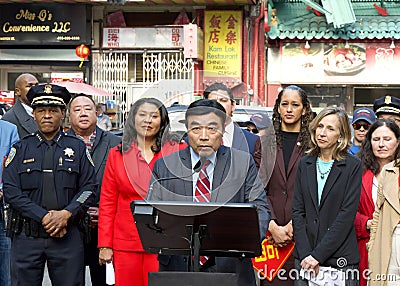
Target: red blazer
(364, 213)
(126, 178)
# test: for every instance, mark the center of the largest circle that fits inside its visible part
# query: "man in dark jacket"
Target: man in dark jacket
(83, 119)
(21, 113)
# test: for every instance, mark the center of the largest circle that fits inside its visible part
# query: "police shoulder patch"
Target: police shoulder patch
(11, 156)
(89, 157)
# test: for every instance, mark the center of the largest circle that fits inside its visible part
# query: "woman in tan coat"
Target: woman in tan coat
(384, 244)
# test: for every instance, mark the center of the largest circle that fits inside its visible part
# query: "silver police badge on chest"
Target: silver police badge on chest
(69, 152)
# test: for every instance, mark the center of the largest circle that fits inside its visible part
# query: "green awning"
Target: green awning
(294, 21)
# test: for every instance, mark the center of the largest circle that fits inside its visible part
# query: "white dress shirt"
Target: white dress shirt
(227, 138)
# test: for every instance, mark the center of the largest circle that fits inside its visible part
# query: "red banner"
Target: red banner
(272, 258)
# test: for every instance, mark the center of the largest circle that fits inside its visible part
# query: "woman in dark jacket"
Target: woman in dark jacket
(325, 201)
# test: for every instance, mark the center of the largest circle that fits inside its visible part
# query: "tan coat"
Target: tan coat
(385, 219)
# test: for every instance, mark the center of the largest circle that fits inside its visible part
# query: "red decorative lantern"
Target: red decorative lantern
(83, 52)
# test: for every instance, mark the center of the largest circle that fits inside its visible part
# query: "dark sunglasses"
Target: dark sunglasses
(255, 131)
(358, 125)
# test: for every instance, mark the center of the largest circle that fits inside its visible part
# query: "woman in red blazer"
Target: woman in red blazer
(126, 178)
(373, 156)
(292, 114)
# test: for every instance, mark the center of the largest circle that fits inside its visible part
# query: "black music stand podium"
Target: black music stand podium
(197, 229)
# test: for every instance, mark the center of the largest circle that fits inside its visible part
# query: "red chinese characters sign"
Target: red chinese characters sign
(271, 259)
(159, 37)
(223, 44)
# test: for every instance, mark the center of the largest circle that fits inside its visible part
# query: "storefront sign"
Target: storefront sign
(66, 76)
(193, 42)
(139, 38)
(42, 24)
(223, 44)
(335, 63)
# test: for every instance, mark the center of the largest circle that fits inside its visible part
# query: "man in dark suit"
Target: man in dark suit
(234, 136)
(83, 120)
(21, 113)
(231, 177)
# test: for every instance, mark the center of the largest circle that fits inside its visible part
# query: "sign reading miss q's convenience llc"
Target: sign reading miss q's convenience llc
(42, 24)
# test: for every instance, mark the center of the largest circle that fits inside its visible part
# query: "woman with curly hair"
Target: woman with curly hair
(292, 114)
(373, 156)
(126, 178)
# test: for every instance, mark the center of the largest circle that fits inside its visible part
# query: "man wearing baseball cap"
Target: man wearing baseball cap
(363, 118)
(258, 123)
(388, 107)
(49, 181)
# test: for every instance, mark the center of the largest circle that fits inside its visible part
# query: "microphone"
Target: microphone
(196, 168)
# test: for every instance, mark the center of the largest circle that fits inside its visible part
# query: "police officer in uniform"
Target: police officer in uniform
(49, 181)
(388, 106)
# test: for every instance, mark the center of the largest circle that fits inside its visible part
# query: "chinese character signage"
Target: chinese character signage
(271, 259)
(42, 24)
(223, 44)
(160, 37)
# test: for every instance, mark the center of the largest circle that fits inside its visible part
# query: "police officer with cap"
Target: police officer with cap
(388, 107)
(49, 181)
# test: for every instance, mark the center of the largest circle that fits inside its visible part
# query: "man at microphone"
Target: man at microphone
(207, 171)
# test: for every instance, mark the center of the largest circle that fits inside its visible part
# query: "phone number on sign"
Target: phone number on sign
(68, 38)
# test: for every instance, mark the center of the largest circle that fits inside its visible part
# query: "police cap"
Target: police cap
(388, 104)
(48, 94)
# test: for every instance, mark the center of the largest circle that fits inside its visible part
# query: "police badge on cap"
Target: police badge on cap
(48, 94)
(388, 104)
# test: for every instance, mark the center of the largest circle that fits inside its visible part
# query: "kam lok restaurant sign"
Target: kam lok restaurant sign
(223, 44)
(42, 24)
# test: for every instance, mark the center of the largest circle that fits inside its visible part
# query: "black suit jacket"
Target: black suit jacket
(326, 230)
(235, 180)
(244, 140)
(104, 142)
(24, 122)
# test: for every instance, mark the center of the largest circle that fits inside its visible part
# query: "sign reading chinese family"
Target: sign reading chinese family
(160, 37)
(42, 24)
(222, 44)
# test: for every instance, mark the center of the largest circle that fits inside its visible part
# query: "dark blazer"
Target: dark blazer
(244, 140)
(104, 142)
(280, 186)
(235, 180)
(326, 231)
(24, 122)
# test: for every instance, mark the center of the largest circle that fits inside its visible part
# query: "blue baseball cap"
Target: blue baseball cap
(364, 114)
(260, 120)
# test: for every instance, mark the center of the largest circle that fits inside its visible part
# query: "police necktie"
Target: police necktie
(203, 194)
(49, 198)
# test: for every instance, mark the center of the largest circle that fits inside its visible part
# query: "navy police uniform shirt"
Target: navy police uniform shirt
(74, 175)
